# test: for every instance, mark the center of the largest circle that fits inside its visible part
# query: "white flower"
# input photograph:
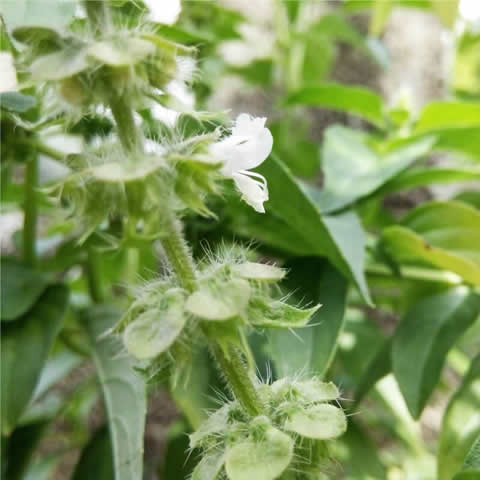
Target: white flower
(247, 147)
(8, 77)
(164, 11)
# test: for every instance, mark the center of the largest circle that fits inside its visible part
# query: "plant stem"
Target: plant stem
(31, 210)
(231, 365)
(94, 279)
(127, 130)
(47, 150)
(236, 372)
(176, 248)
(178, 254)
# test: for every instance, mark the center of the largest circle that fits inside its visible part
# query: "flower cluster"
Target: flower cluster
(231, 294)
(290, 435)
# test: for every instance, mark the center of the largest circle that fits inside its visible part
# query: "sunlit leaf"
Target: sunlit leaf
(25, 347)
(423, 339)
(460, 424)
(124, 393)
(355, 100)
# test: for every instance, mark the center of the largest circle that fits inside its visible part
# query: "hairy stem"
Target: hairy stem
(176, 248)
(231, 364)
(179, 254)
(31, 211)
(236, 372)
(127, 130)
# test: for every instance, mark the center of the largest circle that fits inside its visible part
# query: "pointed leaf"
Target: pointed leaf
(448, 115)
(311, 349)
(327, 236)
(460, 424)
(96, 459)
(353, 170)
(355, 100)
(378, 367)
(21, 290)
(277, 314)
(444, 234)
(124, 393)
(423, 339)
(25, 345)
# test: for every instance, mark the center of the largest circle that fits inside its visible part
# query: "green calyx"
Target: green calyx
(289, 435)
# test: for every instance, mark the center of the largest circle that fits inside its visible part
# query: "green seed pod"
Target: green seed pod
(75, 91)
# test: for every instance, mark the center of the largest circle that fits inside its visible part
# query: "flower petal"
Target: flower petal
(164, 11)
(248, 146)
(253, 192)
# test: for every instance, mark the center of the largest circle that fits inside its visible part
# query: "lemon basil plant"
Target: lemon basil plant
(107, 99)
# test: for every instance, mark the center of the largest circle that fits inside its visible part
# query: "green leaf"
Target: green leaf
(265, 459)
(353, 170)
(54, 14)
(380, 16)
(96, 459)
(24, 349)
(21, 447)
(327, 236)
(378, 367)
(179, 462)
(313, 348)
(448, 115)
(467, 475)
(362, 461)
(327, 323)
(124, 393)
(277, 314)
(322, 422)
(446, 11)
(17, 102)
(415, 177)
(193, 393)
(443, 234)
(460, 424)
(62, 64)
(354, 100)
(423, 339)
(473, 457)
(21, 291)
(463, 140)
(33, 36)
